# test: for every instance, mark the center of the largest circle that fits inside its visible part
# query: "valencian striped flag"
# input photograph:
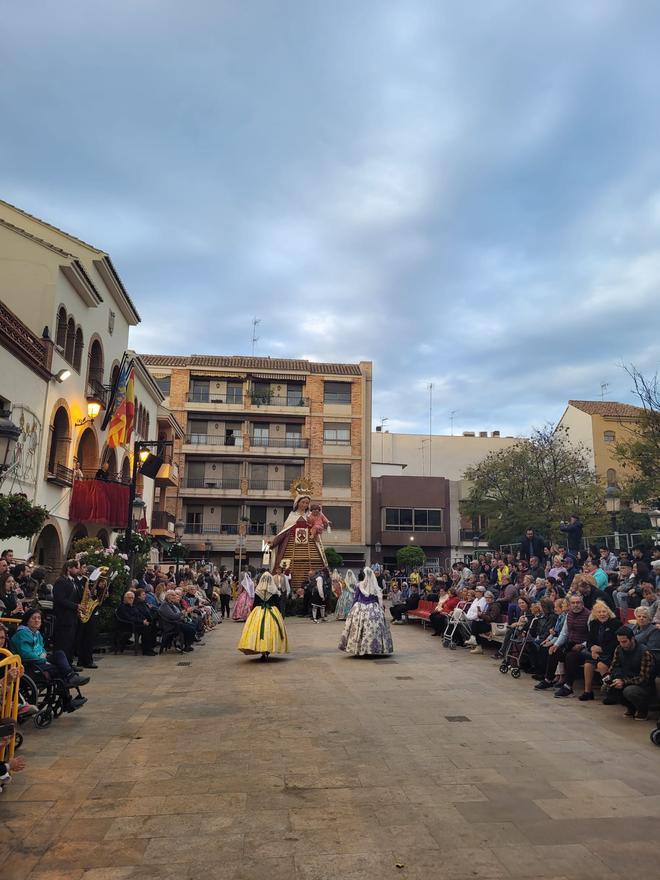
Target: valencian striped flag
(121, 424)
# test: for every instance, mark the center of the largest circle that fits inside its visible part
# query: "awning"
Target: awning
(279, 377)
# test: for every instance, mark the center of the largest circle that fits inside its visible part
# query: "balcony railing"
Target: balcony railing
(163, 520)
(209, 397)
(470, 534)
(94, 387)
(214, 440)
(269, 400)
(258, 528)
(269, 485)
(290, 442)
(61, 475)
(211, 528)
(202, 483)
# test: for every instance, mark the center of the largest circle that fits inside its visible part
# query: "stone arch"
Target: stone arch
(87, 452)
(126, 470)
(95, 363)
(103, 537)
(79, 531)
(48, 550)
(110, 455)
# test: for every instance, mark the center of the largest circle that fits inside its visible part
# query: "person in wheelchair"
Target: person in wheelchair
(28, 643)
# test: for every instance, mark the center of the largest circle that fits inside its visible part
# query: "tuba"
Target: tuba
(96, 583)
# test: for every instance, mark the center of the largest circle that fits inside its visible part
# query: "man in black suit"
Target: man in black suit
(67, 594)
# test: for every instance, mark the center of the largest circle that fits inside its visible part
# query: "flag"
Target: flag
(121, 423)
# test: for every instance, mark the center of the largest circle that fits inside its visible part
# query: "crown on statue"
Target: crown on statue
(302, 486)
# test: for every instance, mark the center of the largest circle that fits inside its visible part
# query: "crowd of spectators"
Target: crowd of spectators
(567, 616)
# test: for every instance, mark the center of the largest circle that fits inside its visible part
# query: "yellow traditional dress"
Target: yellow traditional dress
(264, 631)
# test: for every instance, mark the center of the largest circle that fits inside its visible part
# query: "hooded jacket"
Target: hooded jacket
(29, 645)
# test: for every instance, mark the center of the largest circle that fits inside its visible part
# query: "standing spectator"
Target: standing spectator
(66, 598)
(531, 545)
(102, 473)
(225, 594)
(631, 679)
(573, 530)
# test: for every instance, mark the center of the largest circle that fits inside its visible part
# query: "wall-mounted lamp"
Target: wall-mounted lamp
(94, 407)
(62, 375)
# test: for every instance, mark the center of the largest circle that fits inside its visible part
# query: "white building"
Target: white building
(65, 315)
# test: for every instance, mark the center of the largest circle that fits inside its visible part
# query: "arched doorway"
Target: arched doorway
(88, 453)
(48, 550)
(126, 470)
(104, 538)
(80, 531)
(111, 457)
(60, 438)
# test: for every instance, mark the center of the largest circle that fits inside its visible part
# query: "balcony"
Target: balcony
(162, 524)
(99, 501)
(207, 401)
(94, 387)
(266, 488)
(273, 403)
(211, 528)
(290, 442)
(61, 476)
(203, 487)
(168, 474)
(212, 443)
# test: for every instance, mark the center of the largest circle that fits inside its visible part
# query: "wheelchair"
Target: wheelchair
(50, 695)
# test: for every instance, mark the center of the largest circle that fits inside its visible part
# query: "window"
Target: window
(60, 332)
(337, 476)
(95, 368)
(234, 392)
(611, 477)
(416, 519)
(196, 474)
(294, 395)
(292, 472)
(340, 517)
(231, 475)
(78, 349)
(164, 384)
(259, 476)
(293, 435)
(59, 441)
(199, 391)
(609, 436)
(194, 519)
(337, 392)
(261, 393)
(337, 433)
(260, 435)
(70, 344)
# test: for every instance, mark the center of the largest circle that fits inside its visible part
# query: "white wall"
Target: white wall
(580, 430)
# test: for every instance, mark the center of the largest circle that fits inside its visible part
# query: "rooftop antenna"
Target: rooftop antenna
(603, 389)
(430, 425)
(255, 338)
(451, 419)
(421, 449)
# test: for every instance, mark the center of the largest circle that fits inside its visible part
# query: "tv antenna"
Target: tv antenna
(255, 338)
(430, 425)
(451, 420)
(603, 389)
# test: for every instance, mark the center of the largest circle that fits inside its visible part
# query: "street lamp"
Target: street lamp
(137, 510)
(94, 407)
(378, 547)
(208, 546)
(9, 434)
(654, 516)
(476, 538)
(613, 505)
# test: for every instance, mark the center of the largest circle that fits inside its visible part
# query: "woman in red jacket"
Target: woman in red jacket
(442, 611)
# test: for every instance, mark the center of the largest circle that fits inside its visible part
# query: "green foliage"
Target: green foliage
(639, 449)
(19, 518)
(535, 483)
(410, 557)
(118, 575)
(334, 559)
(86, 545)
(140, 546)
(631, 523)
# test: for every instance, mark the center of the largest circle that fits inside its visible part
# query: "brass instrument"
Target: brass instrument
(99, 584)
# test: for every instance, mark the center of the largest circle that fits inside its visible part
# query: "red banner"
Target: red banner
(100, 502)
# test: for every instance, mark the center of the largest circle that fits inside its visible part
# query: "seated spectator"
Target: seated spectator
(10, 765)
(628, 594)
(137, 621)
(590, 568)
(571, 640)
(443, 610)
(650, 599)
(28, 643)
(518, 619)
(586, 585)
(174, 621)
(607, 561)
(647, 633)
(488, 612)
(395, 597)
(11, 603)
(599, 649)
(411, 603)
(557, 567)
(631, 678)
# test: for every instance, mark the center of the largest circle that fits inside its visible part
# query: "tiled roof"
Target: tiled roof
(238, 362)
(51, 226)
(607, 408)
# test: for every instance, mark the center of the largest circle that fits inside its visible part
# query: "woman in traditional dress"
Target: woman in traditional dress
(367, 631)
(345, 601)
(245, 599)
(264, 631)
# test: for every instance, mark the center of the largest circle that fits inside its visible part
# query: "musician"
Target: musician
(87, 631)
(67, 593)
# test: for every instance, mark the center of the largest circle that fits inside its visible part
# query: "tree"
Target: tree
(639, 450)
(410, 557)
(19, 518)
(535, 483)
(334, 559)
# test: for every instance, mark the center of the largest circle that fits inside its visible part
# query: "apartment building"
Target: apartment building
(254, 426)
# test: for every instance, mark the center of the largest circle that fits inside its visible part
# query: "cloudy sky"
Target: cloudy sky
(467, 194)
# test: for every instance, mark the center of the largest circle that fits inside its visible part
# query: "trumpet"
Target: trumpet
(94, 593)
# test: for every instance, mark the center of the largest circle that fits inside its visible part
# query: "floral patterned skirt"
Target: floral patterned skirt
(366, 631)
(344, 604)
(242, 607)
